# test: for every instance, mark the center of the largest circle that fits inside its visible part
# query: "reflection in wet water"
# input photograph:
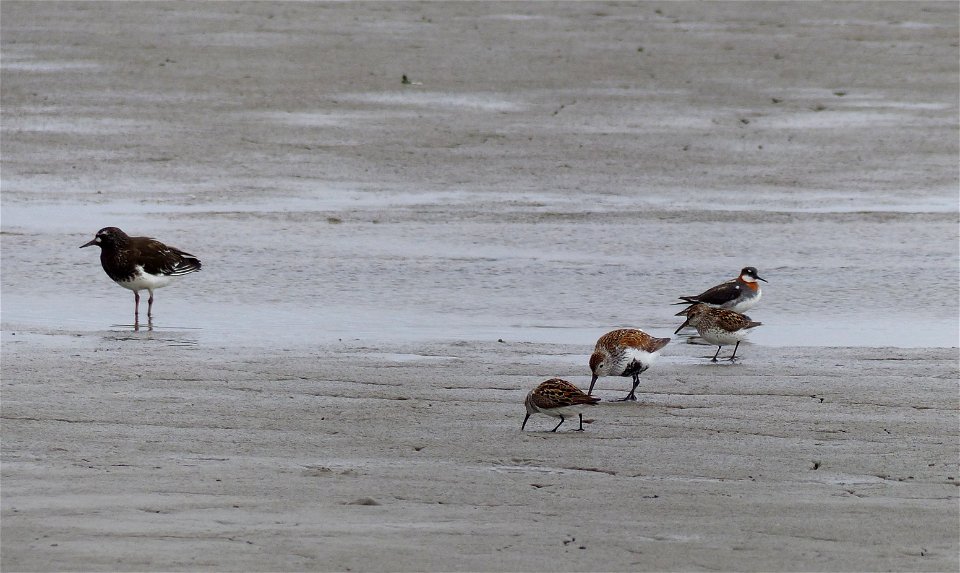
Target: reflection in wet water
(173, 336)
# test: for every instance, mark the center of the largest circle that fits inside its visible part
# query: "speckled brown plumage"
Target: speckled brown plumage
(624, 352)
(557, 398)
(720, 326)
(616, 340)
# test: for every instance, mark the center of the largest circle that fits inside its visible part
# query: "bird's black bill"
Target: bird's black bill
(592, 382)
(91, 243)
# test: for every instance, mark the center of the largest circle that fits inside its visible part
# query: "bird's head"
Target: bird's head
(107, 237)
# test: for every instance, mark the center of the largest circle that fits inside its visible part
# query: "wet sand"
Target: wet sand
(411, 458)
(389, 268)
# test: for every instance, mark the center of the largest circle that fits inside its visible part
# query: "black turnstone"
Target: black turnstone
(138, 263)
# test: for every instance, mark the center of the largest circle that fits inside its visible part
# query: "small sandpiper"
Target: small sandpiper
(138, 263)
(624, 352)
(557, 398)
(737, 294)
(719, 326)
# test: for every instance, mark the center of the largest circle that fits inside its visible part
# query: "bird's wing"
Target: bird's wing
(719, 294)
(730, 320)
(159, 259)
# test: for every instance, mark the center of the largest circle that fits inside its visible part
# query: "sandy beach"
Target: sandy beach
(390, 266)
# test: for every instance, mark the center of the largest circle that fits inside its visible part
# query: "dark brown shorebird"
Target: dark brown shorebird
(625, 352)
(719, 326)
(557, 398)
(139, 263)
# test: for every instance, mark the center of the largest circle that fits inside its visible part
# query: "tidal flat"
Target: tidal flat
(389, 267)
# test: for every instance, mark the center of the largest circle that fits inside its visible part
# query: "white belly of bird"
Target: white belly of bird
(722, 337)
(145, 281)
(746, 304)
(635, 354)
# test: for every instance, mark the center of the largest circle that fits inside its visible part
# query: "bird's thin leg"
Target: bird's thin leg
(558, 425)
(631, 396)
(733, 356)
(150, 305)
(136, 311)
(714, 359)
(580, 429)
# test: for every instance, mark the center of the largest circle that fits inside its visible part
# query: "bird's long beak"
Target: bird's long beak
(760, 279)
(523, 425)
(682, 326)
(93, 241)
(592, 382)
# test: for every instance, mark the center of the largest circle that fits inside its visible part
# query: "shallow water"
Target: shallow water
(402, 268)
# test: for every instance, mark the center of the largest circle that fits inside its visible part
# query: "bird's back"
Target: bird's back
(157, 258)
(557, 393)
(630, 338)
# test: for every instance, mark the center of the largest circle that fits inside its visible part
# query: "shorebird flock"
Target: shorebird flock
(143, 263)
(716, 314)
